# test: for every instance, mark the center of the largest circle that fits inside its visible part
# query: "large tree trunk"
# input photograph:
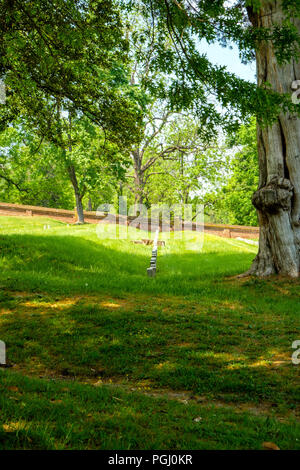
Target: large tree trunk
(139, 183)
(278, 197)
(79, 209)
(78, 196)
(139, 189)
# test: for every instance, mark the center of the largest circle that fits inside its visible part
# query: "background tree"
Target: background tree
(232, 202)
(163, 140)
(30, 172)
(88, 158)
(157, 88)
(189, 169)
(34, 171)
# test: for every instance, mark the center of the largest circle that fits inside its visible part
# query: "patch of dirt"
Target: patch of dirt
(147, 388)
(187, 398)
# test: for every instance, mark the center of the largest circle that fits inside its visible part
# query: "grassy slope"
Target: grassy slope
(76, 311)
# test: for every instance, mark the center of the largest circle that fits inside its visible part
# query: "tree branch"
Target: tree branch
(10, 181)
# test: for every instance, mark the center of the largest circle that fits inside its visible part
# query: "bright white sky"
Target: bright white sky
(219, 55)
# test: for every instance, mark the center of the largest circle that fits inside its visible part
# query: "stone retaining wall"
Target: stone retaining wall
(228, 231)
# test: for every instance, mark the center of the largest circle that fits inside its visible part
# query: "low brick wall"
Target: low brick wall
(228, 231)
(36, 211)
(232, 231)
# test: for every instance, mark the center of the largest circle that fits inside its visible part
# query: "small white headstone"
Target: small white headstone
(151, 272)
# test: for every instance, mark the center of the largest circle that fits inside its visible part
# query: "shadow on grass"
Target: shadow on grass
(70, 264)
(65, 264)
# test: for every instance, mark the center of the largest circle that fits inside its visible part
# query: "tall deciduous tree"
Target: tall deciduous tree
(278, 196)
(161, 106)
(191, 165)
(160, 143)
(35, 171)
(89, 159)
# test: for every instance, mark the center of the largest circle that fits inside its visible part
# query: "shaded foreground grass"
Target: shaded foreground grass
(143, 357)
(38, 414)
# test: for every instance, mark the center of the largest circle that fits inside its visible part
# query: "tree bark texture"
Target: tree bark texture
(277, 199)
(139, 183)
(78, 196)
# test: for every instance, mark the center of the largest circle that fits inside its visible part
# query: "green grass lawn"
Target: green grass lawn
(104, 357)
